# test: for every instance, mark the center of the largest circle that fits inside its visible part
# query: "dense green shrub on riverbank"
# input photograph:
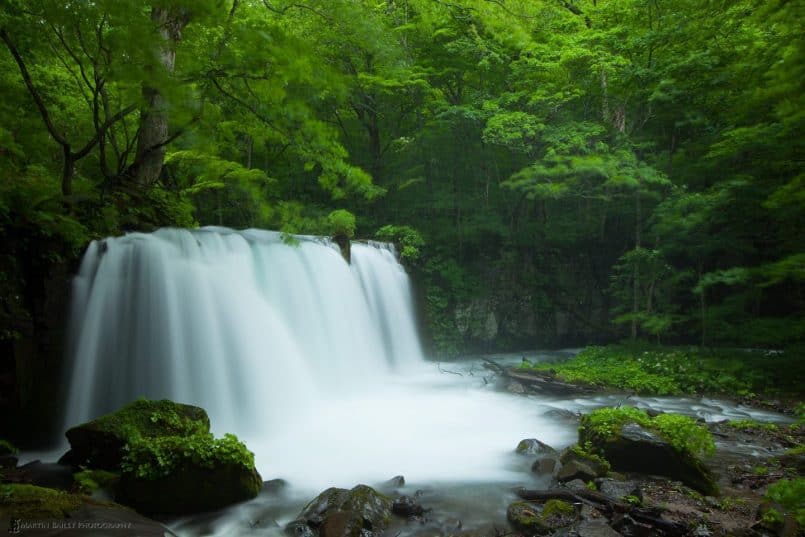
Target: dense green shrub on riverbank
(674, 371)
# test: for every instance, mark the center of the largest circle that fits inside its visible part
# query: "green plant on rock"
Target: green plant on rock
(88, 481)
(682, 432)
(406, 238)
(587, 451)
(341, 223)
(557, 507)
(153, 458)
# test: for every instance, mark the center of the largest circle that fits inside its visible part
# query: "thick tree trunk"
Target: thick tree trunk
(153, 135)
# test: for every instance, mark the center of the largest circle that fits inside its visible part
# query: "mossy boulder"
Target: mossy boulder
(99, 443)
(534, 519)
(182, 475)
(360, 512)
(532, 446)
(76, 514)
(668, 445)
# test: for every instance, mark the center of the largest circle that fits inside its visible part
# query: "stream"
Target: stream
(449, 428)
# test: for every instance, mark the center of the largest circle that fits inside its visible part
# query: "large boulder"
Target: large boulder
(99, 443)
(181, 475)
(360, 512)
(64, 513)
(633, 442)
(532, 446)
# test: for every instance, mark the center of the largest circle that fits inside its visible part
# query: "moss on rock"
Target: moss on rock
(32, 502)
(178, 475)
(99, 443)
(669, 444)
(533, 519)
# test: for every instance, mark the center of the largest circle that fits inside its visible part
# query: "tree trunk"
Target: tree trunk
(153, 135)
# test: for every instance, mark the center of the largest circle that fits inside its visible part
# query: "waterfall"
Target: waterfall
(238, 322)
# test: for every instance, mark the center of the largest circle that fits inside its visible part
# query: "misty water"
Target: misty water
(316, 365)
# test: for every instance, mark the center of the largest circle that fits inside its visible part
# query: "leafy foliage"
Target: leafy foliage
(669, 371)
(790, 493)
(682, 432)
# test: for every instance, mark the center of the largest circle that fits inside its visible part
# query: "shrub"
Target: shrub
(341, 223)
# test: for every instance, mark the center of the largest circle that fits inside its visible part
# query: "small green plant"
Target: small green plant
(152, 458)
(789, 493)
(633, 500)
(557, 508)
(772, 517)
(88, 481)
(341, 223)
(587, 451)
(406, 238)
(760, 470)
(744, 425)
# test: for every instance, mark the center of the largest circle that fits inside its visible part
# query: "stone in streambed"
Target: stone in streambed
(406, 506)
(547, 465)
(360, 512)
(532, 446)
(634, 448)
(534, 519)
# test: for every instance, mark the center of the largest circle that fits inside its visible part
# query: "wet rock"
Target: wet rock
(394, 482)
(619, 489)
(576, 484)
(595, 528)
(575, 470)
(535, 519)
(562, 415)
(636, 449)
(515, 387)
(406, 506)
(273, 486)
(360, 512)
(99, 443)
(64, 511)
(547, 465)
(532, 446)
(190, 487)
(629, 527)
(572, 454)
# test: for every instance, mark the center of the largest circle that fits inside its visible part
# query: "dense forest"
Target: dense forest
(554, 172)
(621, 176)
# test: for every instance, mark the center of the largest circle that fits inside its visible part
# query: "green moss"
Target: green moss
(587, 452)
(32, 502)
(144, 418)
(557, 507)
(772, 518)
(633, 500)
(153, 458)
(682, 432)
(794, 451)
(88, 481)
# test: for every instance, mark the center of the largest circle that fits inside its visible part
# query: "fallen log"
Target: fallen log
(605, 504)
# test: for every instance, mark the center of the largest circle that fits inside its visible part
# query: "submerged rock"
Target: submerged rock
(360, 512)
(99, 443)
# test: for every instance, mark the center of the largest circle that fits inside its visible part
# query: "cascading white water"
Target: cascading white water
(315, 363)
(233, 321)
